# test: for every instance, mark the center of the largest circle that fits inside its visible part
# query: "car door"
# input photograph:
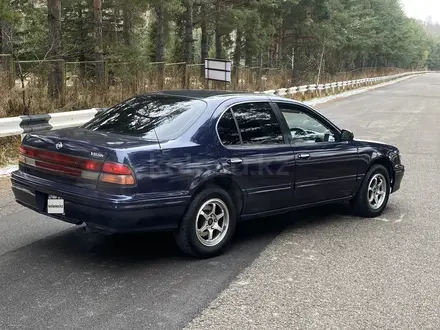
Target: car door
(326, 167)
(258, 154)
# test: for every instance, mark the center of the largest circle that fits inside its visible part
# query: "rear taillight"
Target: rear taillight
(113, 168)
(22, 156)
(108, 172)
(91, 165)
(27, 151)
(117, 174)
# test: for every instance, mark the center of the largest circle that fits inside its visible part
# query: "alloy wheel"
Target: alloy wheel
(212, 222)
(377, 191)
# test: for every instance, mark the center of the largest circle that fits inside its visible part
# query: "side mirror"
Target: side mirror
(347, 135)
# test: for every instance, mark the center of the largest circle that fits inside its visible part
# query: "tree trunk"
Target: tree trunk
(249, 54)
(160, 35)
(126, 23)
(321, 61)
(238, 46)
(292, 65)
(269, 55)
(189, 39)
(281, 48)
(160, 43)
(99, 52)
(204, 38)
(218, 35)
(6, 48)
(273, 50)
(248, 61)
(6, 38)
(82, 51)
(55, 78)
(237, 56)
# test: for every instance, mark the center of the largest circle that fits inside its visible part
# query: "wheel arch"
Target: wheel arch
(225, 182)
(385, 162)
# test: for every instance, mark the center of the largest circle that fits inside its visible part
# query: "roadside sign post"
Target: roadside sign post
(218, 70)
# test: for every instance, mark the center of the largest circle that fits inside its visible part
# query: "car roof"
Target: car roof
(202, 94)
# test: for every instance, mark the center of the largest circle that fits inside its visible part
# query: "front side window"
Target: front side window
(257, 124)
(146, 116)
(304, 128)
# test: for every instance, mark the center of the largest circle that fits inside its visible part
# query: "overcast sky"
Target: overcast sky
(421, 9)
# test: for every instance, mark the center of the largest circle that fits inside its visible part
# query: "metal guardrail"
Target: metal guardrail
(37, 123)
(337, 85)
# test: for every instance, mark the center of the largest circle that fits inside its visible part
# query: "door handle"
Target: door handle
(234, 161)
(303, 156)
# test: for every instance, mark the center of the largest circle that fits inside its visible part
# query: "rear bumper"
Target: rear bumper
(108, 213)
(399, 171)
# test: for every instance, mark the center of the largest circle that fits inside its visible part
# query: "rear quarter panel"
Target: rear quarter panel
(172, 170)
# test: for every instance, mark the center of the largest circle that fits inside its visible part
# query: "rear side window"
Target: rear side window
(169, 116)
(258, 124)
(227, 130)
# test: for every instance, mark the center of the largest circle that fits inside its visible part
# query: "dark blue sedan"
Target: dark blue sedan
(197, 162)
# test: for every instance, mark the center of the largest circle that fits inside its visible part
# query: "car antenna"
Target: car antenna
(158, 141)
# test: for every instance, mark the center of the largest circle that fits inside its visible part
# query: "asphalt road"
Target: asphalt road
(317, 269)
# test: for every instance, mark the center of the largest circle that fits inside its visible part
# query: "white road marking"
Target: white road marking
(382, 219)
(400, 218)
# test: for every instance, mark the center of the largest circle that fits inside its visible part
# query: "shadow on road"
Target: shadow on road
(143, 247)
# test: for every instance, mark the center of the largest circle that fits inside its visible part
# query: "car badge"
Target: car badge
(96, 154)
(59, 145)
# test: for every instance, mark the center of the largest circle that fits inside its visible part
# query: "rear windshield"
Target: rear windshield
(169, 116)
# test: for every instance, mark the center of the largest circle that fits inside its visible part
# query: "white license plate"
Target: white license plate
(55, 205)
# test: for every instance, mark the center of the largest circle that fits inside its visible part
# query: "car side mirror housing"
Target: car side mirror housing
(347, 135)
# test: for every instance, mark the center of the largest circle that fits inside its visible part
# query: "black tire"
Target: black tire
(360, 203)
(186, 237)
